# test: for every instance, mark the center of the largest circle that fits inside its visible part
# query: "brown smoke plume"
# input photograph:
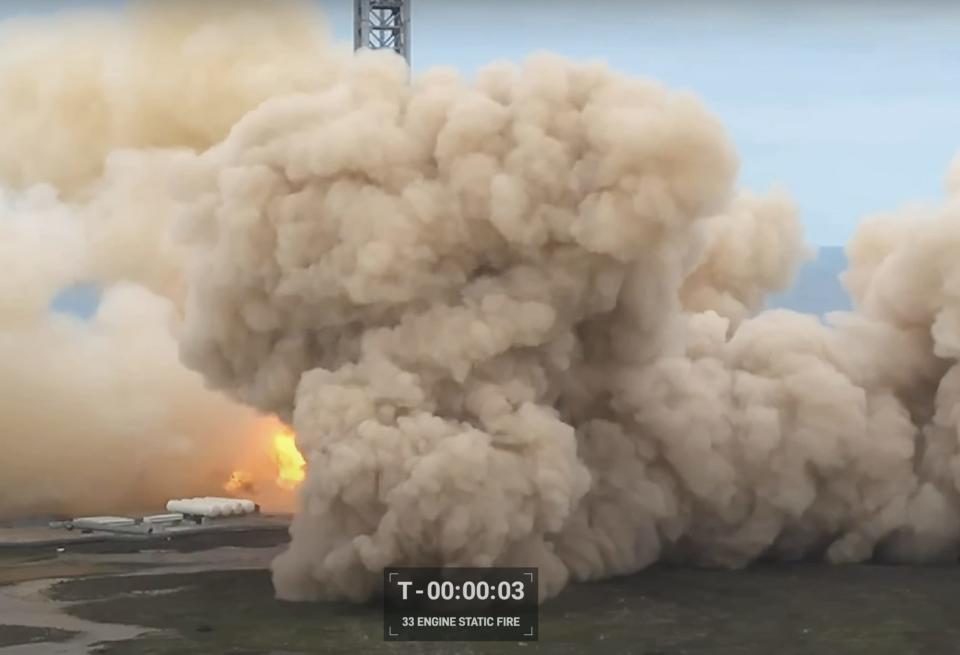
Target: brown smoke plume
(511, 322)
(515, 321)
(100, 416)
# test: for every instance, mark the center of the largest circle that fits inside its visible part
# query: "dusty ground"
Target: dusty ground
(168, 602)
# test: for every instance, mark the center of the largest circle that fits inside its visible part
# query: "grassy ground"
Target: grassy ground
(16, 635)
(787, 610)
(14, 572)
(20, 564)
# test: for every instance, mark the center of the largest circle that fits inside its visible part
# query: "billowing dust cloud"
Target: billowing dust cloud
(515, 321)
(96, 111)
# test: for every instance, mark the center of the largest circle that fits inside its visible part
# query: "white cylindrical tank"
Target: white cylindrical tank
(173, 517)
(236, 505)
(212, 506)
(191, 506)
(222, 506)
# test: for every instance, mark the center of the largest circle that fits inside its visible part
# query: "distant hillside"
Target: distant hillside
(817, 289)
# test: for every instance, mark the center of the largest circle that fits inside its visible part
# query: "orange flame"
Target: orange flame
(239, 482)
(286, 458)
(289, 461)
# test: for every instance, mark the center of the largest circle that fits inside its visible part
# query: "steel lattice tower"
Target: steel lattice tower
(379, 24)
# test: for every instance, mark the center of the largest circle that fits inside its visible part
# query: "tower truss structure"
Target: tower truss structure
(382, 24)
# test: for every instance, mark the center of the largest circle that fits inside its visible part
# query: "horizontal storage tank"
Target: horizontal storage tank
(102, 521)
(175, 517)
(119, 524)
(212, 507)
(236, 505)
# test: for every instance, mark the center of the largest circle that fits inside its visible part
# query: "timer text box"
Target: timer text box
(460, 604)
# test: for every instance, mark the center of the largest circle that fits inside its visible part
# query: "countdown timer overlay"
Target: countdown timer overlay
(460, 604)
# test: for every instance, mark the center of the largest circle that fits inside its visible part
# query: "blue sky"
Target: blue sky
(853, 106)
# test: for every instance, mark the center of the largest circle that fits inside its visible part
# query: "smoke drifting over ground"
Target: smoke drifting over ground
(100, 416)
(512, 321)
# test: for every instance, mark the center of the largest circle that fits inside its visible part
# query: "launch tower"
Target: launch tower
(379, 24)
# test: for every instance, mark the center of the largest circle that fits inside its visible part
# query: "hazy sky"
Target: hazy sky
(853, 106)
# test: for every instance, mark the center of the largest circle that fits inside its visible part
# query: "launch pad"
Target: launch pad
(225, 531)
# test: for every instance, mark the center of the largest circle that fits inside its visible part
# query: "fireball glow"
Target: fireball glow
(289, 461)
